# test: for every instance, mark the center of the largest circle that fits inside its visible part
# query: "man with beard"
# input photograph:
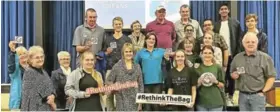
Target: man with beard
(89, 36)
(230, 29)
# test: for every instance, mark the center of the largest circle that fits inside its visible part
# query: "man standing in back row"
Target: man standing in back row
(230, 29)
(164, 29)
(89, 36)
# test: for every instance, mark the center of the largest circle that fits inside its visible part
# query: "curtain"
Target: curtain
(60, 18)
(269, 20)
(201, 10)
(17, 19)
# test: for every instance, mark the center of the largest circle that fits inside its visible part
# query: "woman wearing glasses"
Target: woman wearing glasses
(17, 64)
(38, 93)
(59, 77)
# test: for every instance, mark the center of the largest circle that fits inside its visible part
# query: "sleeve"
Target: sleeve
(137, 57)
(269, 68)
(129, 40)
(263, 46)
(70, 87)
(199, 32)
(76, 39)
(147, 30)
(173, 32)
(169, 80)
(55, 81)
(239, 38)
(223, 43)
(27, 90)
(105, 43)
(11, 62)
(194, 77)
(233, 65)
(140, 80)
(221, 74)
(112, 76)
(196, 47)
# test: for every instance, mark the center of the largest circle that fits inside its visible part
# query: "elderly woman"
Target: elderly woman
(182, 80)
(38, 93)
(123, 71)
(59, 77)
(211, 80)
(137, 38)
(80, 80)
(17, 64)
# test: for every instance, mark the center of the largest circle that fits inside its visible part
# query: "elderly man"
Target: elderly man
(89, 36)
(185, 19)
(254, 74)
(59, 77)
(164, 29)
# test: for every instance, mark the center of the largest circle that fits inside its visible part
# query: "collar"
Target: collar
(65, 72)
(40, 70)
(189, 21)
(148, 50)
(140, 35)
(252, 55)
(87, 26)
(157, 22)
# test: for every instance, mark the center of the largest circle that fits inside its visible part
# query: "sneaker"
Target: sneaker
(230, 102)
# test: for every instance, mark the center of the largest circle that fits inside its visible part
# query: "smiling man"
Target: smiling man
(251, 24)
(254, 74)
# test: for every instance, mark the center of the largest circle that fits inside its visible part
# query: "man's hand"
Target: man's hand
(109, 50)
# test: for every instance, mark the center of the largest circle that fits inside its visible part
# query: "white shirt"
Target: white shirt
(65, 72)
(224, 31)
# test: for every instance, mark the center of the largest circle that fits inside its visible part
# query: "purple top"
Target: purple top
(165, 32)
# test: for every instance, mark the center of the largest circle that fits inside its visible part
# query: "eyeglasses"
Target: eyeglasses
(188, 30)
(65, 59)
(207, 25)
(39, 57)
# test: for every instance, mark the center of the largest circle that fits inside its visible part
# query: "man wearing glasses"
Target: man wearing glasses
(218, 41)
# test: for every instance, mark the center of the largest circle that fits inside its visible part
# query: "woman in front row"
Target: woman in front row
(182, 81)
(123, 71)
(210, 82)
(81, 79)
(38, 93)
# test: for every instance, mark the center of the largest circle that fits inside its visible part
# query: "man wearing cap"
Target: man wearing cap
(89, 36)
(185, 19)
(254, 74)
(163, 28)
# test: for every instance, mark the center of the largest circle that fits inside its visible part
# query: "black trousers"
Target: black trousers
(152, 88)
(229, 88)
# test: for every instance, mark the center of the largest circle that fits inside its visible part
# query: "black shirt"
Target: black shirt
(181, 81)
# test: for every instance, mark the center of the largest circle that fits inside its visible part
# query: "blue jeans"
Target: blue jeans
(251, 102)
(201, 108)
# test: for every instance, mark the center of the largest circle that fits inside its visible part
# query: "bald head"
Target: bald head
(250, 42)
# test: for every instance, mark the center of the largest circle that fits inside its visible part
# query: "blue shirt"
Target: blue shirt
(151, 64)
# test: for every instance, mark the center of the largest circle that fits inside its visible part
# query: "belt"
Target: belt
(250, 93)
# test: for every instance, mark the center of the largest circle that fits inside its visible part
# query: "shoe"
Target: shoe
(230, 102)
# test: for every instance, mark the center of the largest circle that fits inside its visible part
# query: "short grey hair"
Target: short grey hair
(250, 34)
(185, 6)
(62, 53)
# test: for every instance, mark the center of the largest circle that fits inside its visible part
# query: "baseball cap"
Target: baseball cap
(160, 7)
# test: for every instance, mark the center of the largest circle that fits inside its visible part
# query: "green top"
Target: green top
(193, 59)
(210, 97)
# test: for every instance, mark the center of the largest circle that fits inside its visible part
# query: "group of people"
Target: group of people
(169, 58)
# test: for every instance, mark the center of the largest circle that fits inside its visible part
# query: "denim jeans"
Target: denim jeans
(251, 102)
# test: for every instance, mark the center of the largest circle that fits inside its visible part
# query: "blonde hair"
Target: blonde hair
(94, 74)
(34, 50)
(127, 45)
(21, 50)
(117, 19)
(62, 53)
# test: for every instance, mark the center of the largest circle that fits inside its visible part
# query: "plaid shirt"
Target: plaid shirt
(218, 41)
